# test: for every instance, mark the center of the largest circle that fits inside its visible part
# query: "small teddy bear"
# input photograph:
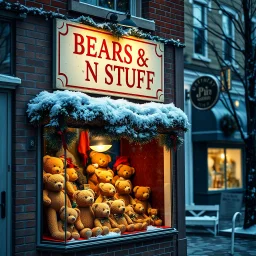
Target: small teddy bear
(141, 216)
(138, 223)
(142, 195)
(124, 171)
(72, 215)
(71, 183)
(123, 191)
(52, 165)
(156, 221)
(107, 192)
(119, 216)
(102, 220)
(84, 200)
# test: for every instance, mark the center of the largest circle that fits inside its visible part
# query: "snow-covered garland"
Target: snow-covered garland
(113, 118)
(113, 28)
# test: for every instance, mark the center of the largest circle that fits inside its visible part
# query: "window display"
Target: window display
(224, 168)
(89, 194)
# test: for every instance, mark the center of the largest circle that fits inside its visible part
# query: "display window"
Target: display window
(224, 168)
(96, 191)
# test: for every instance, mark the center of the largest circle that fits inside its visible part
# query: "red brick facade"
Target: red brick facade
(33, 65)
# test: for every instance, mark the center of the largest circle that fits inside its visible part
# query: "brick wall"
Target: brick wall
(34, 67)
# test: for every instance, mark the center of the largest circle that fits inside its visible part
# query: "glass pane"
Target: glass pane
(216, 168)
(198, 15)
(107, 4)
(93, 2)
(123, 6)
(5, 48)
(227, 52)
(227, 26)
(234, 168)
(199, 41)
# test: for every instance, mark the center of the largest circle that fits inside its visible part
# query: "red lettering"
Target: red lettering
(140, 79)
(94, 72)
(131, 76)
(128, 54)
(117, 48)
(79, 40)
(118, 74)
(91, 45)
(104, 49)
(150, 79)
(108, 74)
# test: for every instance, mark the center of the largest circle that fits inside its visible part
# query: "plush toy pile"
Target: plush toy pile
(107, 203)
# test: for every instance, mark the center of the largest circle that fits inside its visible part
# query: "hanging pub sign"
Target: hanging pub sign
(204, 92)
(92, 60)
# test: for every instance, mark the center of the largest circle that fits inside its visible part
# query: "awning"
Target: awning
(115, 118)
(206, 124)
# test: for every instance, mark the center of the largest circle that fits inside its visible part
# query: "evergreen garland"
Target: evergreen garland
(115, 29)
(171, 141)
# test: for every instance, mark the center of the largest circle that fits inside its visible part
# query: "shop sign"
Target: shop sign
(204, 92)
(92, 60)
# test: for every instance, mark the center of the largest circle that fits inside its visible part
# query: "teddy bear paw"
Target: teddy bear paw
(75, 235)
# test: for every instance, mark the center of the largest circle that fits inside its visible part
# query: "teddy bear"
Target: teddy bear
(138, 223)
(102, 177)
(123, 191)
(124, 171)
(142, 195)
(107, 192)
(156, 221)
(71, 186)
(84, 200)
(72, 215)
(53, 200)
(52, 165)
(141, 217)
(102, 220)
(99, 161)
(118, 215)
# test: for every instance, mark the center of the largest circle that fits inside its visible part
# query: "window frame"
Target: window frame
(100, 12)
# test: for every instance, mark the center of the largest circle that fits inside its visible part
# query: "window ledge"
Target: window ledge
(9, 82)
(102, 13)
(201, 57)
(99, 243)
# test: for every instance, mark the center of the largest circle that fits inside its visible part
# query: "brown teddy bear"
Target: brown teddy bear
(107, 192)
(119, 216)
(52, 165)
(123, 191)
(100, 162)
(142, 195)
(84, 200)
(124, 171)
(102, 177)
(156, 221)
(71, 183)
(72, 215)
(53, 200)
(102, 220)
(138, 223)
(141, 216)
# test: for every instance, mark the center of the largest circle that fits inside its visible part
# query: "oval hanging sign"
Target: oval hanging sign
(204, 92)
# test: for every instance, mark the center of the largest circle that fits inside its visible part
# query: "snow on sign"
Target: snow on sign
(92, 60)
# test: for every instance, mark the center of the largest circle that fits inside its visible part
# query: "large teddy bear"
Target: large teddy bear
(124, 171)
(107, 192)
(53, 200)
(99, 161)
(123, 191)
(119, 216)
(72, 216)
(52, 165)
(142, 195)
(102, 219)
(84, 200)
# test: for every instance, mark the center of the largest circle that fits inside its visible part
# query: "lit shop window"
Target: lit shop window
(224, 168)
(101, 194)
(5, 48)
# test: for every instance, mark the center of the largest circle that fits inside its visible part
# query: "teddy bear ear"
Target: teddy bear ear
(91, 191)
(149, 210)
(109, 203)
(101, 185)
(62, 209)
(111, 172)
(129, 182)
(97, 172)
(46, 176)
(119, 166)
(135, 189)
(133, 170)
(75, 195)
(45, 158)
(78, 211)
(149, 189)
(94, 206)
(109, 158)
(117, 183)
(92, 154)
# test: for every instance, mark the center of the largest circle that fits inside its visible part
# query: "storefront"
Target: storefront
(55, 108)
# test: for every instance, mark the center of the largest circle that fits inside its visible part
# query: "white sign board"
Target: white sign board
(92, 60)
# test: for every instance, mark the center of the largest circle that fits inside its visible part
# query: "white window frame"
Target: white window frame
(98, 11)
(198, 56)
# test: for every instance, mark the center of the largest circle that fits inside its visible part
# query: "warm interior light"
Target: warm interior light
(100, 144)
(236, 103)
(222, 156)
